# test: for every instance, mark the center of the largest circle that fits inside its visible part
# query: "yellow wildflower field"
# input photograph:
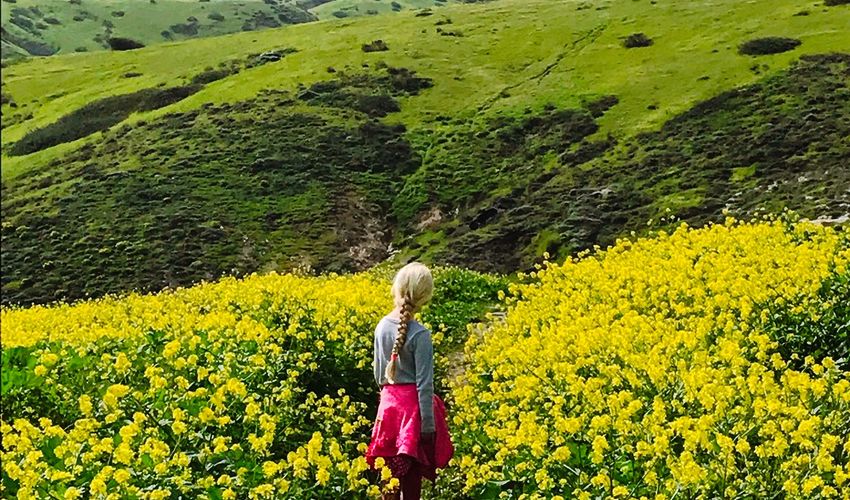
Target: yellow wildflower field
(685, 365)
(653, 370)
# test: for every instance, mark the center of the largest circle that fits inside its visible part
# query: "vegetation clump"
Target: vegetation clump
(211, 75)
(98, 115)
(637, 40)
(120, 43)
(375, 46)
(768, 45)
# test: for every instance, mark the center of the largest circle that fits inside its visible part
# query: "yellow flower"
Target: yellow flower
(121, 476)
(72, 493)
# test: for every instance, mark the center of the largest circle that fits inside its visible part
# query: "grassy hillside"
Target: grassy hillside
(513, 128)
(352, 8)
(46, 27)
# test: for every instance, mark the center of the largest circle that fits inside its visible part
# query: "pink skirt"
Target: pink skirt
(396, 433)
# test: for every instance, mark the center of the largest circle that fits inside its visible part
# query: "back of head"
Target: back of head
(413, 286)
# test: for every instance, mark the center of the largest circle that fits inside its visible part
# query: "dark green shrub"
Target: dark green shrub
(120, 43)
(832, 3)
(462, 296)
(375, 46)
(210, 76)
(377, 105)
(768, 45)
(637, 40)
(599, 106)
(799, 335)
(186, 29)
(99, 115)
(215, 16)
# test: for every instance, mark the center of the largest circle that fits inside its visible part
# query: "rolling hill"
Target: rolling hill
(47, 27)
(481, 135)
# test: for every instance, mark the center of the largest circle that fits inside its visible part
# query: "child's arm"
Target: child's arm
(376, 360)
(424, 360)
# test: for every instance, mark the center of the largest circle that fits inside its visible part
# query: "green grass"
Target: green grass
(507, 47)
(353, 8)
(509, 145)
(64, 27)
(71, 27)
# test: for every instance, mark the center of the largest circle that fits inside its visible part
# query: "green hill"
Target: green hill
(484, 135)
(47, 27)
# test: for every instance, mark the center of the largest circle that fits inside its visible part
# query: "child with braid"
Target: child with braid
(410, 433)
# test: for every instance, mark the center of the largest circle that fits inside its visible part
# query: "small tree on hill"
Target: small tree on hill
(119, 43)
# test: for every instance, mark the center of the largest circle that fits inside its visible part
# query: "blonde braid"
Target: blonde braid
(400, 339)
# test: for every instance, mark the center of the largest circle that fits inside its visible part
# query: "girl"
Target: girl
(410, 431)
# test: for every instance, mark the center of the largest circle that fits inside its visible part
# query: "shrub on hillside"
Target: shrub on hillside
(832, 3)
(768, 45)
(121, 43)
(98, 115)
(376, 105)
(599, 106)
(637, 40)
(215, 16)
(185, 29)
(211, 75)
(375, 46)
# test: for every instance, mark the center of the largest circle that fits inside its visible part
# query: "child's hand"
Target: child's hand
(427, 440)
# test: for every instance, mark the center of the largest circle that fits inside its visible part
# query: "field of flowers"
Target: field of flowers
(257, 388)
(703, 363)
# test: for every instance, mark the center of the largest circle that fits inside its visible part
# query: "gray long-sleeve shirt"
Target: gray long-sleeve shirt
(415, 363)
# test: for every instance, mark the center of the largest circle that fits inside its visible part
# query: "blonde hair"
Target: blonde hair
(413, 286)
